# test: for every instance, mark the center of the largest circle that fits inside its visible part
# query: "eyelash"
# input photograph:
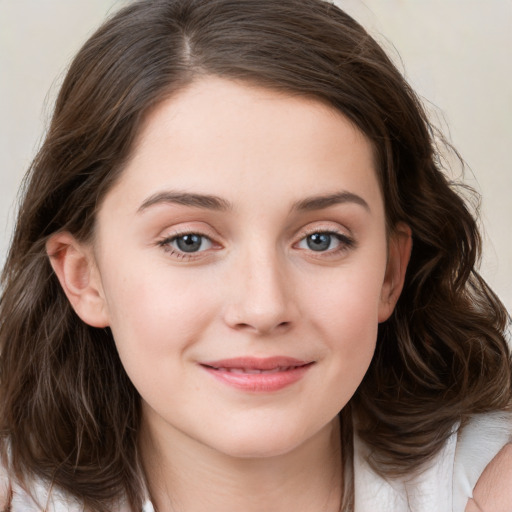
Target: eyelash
(345, 243)
(166, 242)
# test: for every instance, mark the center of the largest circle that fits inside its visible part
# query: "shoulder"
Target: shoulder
(34, 495)
(493, 491)
(39, 495)
(5, 486)
(447, 482)
(423, 491)
(478, 443)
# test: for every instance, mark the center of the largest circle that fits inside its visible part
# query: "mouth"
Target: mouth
(254, 371)
(258, 374)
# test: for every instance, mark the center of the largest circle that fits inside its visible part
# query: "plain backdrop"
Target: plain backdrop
(457, 54)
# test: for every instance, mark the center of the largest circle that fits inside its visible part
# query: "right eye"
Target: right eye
(321, 241)
(187, 243)
(325, 241)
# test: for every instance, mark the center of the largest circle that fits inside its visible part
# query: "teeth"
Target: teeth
(252, 371)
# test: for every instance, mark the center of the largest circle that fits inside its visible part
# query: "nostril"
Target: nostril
(242, 325)
(262, 328)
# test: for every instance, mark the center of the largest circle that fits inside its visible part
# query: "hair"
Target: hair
(67, 408)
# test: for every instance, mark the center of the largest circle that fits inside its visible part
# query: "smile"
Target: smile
(255, 370)
(258, 375)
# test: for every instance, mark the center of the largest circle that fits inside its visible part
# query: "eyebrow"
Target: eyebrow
(325, 201)
(211, 202)
(205, 201)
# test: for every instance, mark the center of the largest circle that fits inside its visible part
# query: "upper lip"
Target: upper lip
(257, 363)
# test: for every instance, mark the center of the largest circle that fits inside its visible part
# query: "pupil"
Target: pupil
(319, 241)
(189, 243)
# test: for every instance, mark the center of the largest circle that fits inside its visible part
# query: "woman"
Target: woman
(240, 279)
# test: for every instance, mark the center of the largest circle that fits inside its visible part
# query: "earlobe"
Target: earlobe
(400, 246)
(75, 267)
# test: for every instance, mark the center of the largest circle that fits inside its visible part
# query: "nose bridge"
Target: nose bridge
(261, 300)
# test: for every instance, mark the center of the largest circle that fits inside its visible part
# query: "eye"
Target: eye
(324, 241)
(187, 243)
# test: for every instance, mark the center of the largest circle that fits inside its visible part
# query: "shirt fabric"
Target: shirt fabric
(447, 482)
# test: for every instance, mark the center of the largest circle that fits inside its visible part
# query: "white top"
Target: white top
(448, 481)
(444, 486)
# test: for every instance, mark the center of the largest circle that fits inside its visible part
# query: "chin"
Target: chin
(267, 441)
(263, 447)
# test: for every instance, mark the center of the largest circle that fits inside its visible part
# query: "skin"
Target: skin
(253, 288)
(493, 491)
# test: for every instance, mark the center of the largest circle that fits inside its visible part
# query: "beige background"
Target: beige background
(456, 53)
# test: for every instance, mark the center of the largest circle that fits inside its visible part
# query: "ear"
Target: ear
(399, 253)
(75, 267)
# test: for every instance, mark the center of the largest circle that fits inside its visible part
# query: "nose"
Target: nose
(260, 296)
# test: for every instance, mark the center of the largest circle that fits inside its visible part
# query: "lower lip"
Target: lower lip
(260, 382)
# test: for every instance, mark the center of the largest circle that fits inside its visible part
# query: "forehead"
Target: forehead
(239, 141)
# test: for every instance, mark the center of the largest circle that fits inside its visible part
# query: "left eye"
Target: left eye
(322, 241)
(191, 242)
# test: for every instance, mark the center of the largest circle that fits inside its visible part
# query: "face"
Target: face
(243, 266)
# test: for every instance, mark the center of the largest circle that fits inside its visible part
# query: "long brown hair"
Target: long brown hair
(68, 410)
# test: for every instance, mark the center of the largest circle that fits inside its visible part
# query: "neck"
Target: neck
(188, 477)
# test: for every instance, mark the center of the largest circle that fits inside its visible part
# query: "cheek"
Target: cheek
(346, 316)
(155, 322)
(157, 311)
(349, 298)
(351, 328)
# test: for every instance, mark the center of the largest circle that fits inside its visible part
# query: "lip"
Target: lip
(258, 374)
